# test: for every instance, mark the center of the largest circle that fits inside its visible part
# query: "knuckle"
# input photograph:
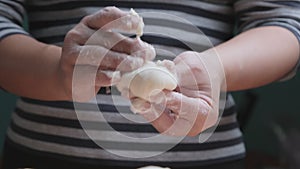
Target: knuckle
(194, 70)
(74, 35)
(131, 44)
(110, 9)
(73, 32)
(101, 79)
(182, 57)
(69, 57)
(86, 18)
(107, 12)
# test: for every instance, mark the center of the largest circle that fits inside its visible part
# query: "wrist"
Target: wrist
(56, 77)
(215, 70)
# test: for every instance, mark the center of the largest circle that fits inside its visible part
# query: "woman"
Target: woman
(46, 134)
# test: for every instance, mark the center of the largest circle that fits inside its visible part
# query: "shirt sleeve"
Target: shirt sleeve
(12, 13)
(256, 13)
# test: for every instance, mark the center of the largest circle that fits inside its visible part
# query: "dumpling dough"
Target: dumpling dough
(149, 80)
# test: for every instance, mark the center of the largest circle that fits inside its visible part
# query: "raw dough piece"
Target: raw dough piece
(149, 80)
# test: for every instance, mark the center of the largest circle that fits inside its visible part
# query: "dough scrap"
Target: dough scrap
(140, 28)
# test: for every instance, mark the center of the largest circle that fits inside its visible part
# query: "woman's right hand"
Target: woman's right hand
(94, 55)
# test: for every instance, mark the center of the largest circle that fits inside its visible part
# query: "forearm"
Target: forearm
(30, 68)
(258, 57)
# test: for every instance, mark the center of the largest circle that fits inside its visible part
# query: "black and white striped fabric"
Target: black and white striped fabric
(52, 128)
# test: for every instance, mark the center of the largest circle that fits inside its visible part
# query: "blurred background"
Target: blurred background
(270, 120)
(269, 117)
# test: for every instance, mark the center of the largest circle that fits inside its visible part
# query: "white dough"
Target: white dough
(139, 31)
(148, 80)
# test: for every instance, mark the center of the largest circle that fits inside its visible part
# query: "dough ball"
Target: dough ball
(148, 80)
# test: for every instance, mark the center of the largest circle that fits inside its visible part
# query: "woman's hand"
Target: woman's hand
(94, 53)
(194, 105)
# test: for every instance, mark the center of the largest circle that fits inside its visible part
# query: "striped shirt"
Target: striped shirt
(172, 26)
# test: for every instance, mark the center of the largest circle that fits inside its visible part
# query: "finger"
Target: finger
(143, 50)
(107, 59)
(114, 18)
(156, 114)
(79, 35)
(120, 43)
(107, 78)
(139, 105)
(190, 70)
(182, 115)
(179, 127)
(88, 77)
(168, 123)
(202, 94)
(164, 120)
(183, 105)
(151, 111)
(162, 123)
(187, 108)
(143, 106)
(87, 81)
(199, 114)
